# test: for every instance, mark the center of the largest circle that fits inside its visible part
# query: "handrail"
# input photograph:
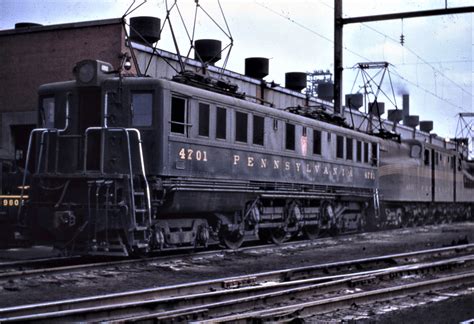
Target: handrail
(27, 161)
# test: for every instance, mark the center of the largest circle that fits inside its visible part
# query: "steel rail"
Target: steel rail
(220, 303)
(265, 297)
(8, 275)
(247, 283)
(34, 262)
(13, 274)
(307, 309)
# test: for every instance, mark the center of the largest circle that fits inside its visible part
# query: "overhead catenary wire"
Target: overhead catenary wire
(409, 50)
(288, 18)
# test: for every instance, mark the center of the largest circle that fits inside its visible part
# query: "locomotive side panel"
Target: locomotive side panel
(443, 176)
(464, 181)
(403, 176)
(231, 163)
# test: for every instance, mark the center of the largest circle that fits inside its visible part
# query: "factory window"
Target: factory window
(47, 112)
(339, 147)
(203, 119)
(427, 157)
(359, 151)
(258, 130)
(290, 137)
(241, 122)
(221, 123)
(317, 142)
(374, 154)
(178, 115)
(142, 104)
(349, 148)
(366, 152)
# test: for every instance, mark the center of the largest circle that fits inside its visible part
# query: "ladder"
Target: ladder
(140, 200)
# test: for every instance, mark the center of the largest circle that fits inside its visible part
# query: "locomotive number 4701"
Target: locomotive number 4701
(190, 154)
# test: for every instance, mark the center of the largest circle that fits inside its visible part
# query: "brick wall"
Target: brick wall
(31, 57)
(48, 54)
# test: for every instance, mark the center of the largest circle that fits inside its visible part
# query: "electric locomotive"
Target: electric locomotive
(423, 183)
(134, 164)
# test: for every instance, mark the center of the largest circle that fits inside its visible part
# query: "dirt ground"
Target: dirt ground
(195, 268)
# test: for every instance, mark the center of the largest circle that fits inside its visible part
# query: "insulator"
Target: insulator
(402, 39)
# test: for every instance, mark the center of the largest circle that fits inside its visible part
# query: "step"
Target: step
(142, 245)
(139, 193)
(140, 210)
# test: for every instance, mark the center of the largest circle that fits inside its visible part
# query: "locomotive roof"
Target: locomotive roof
(190, 91)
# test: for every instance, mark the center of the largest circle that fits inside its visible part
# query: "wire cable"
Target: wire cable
(286, 17)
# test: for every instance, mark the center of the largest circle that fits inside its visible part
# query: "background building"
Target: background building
(33, 55)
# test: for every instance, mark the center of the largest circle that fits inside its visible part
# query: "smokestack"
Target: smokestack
(406, 106)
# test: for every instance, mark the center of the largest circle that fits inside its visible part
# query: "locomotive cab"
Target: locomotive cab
(90, 140)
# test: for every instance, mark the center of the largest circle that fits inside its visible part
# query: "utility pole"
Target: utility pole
(339, 23)
(338, 56)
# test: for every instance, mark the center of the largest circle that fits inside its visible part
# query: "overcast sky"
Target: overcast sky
(435, 66)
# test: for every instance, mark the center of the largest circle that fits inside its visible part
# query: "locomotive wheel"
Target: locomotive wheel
(274, 235)
(311, 232)
(232, 239)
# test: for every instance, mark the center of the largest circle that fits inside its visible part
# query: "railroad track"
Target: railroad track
(242, 296)
(57, 265)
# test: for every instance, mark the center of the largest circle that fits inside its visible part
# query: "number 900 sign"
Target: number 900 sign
(10, 202)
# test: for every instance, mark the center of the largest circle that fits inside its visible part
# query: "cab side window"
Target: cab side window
(349, 148)
(290, 137)
(427, 157)
(203, 129)
(366, 152)
(178, 115)
(339, 146)
(141, 109)
(241, 126)
(47, 112)
(316, 142)
(359, 151)
(221, 123)
(258, 130)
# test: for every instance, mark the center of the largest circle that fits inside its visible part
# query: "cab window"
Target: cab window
(178, 115)
(203, 120)
(427, 157)
(142, 104)
(47, 112)
(317, 142)
(241, 121)
(339, 146)
(349, 148)
(359, 151)
(221, 123)
(290, 137)
(258, 130)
